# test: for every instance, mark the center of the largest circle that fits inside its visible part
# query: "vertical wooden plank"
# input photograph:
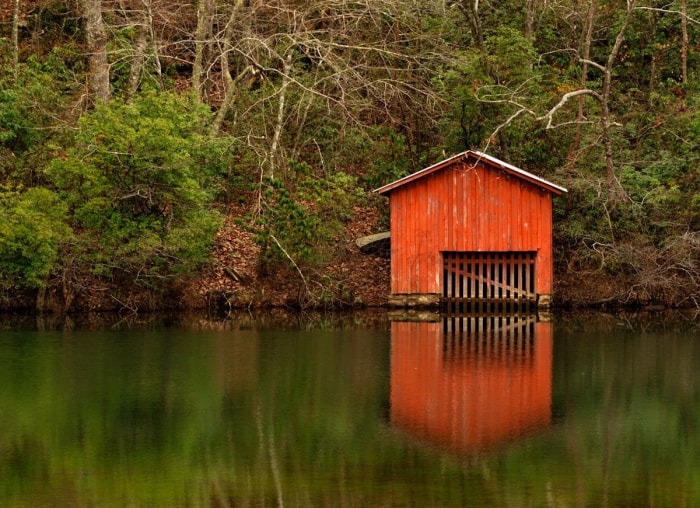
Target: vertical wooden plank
(516, 274)
(544, 266)
(483, 275)
(457, 218)
(492, 274)
(472, 231)
(535, 200)
(487, 277)
(494, 212)
(420, 239)
(467, 275)
(395, 224)
(463, 274)
(456, 276)
(481, 212)
(514, 216)
(507, 266)
(452, 220)
(499, 270)
(487, 213)
(526, 273)
(429, 242)
(463, 243)
(444, 275)
(511, 275)
(405, 243)
(418, 221)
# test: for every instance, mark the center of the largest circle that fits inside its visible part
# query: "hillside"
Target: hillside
(140, 139)
(233, 279)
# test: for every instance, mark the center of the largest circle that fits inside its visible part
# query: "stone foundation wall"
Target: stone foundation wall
(432, 300)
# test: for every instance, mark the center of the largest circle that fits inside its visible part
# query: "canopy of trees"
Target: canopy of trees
(125, 125)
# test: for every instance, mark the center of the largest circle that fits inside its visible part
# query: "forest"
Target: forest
(187, 153)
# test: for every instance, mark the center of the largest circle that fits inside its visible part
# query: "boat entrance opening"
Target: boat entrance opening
(488, 282)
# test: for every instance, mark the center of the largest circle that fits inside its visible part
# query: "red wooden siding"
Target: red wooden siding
(469, 391)
(469, 205)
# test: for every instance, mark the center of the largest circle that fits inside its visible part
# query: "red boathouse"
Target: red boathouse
(471, 229)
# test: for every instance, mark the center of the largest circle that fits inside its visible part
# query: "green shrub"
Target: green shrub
(134, 181)
(32, 230)
(304, 219)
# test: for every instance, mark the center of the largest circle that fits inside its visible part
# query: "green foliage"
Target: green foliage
(508, 57)
(303, 220)
(133, 181)
(30, 101)
(389, 157)
(32, 230)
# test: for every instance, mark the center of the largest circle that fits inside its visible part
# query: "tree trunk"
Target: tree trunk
(154, 40)
(96, 38)
(229, 83)
(470, 11)
(205, 15)
(529, 19)
(279, 124)
(585, 50)
(15, 39)
(684, 48)
(137, 62)
(614, 183)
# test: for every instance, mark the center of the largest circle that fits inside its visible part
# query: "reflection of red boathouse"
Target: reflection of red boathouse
(471, 383)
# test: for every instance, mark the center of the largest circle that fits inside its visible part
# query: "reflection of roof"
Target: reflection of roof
(477, 157)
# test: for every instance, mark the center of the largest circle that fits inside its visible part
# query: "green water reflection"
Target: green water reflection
(251, 414)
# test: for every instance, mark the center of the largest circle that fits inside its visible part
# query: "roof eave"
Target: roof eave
(419, 174)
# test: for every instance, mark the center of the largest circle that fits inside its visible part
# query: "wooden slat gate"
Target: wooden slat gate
(488, 281)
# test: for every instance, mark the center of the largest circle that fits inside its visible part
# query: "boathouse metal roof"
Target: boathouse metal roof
(476, 157)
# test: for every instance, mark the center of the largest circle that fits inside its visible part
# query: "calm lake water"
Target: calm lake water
(578, 411)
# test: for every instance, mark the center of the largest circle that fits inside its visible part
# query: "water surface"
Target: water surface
(351, 411)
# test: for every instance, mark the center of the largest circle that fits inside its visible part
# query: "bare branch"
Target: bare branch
(601, 68)
(668, 11)
(565, 98)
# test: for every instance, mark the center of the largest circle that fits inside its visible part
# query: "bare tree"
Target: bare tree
(230, 84)
(96, 39)
(336, 62)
